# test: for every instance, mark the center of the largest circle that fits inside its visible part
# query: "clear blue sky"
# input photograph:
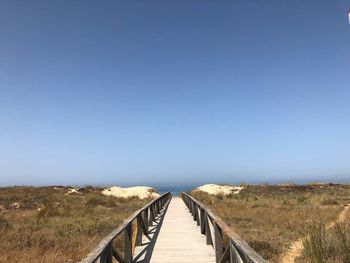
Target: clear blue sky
(161, 92)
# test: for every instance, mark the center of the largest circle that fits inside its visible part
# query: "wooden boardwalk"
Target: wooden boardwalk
(175, 238)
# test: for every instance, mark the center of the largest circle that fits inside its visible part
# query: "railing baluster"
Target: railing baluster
(218, 242)
(128, 243)
(197, 215)
(207, 230)
(103, 257)
(238, 250)
(151, 216)
(105, 252)
(139, 230)
(234, 255)
(226, 255)
(202, 224)
(145, 219)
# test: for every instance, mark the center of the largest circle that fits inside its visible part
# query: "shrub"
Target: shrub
(314, 243)
(264, 248)
(329, 202)
(302, 199)
(4, 224)
(332, 245)
(95, 201)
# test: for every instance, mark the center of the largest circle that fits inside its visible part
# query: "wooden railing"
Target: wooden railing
(229, 246)
(107, 249)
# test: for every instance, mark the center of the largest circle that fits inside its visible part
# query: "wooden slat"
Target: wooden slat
(139, 230)
(218, 242)
(179, 238)
(100, 249)
(242, 248)
(128, 243)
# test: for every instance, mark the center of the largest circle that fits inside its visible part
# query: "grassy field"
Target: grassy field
(271, 217)
(47, 225)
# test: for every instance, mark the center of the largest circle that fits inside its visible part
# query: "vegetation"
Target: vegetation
(271, 217)
(322, 245)
(47, 225)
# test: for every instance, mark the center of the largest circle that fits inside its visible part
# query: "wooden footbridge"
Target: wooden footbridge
(173, 230)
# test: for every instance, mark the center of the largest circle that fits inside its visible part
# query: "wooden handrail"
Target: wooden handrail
(236, 250)
(104, 252)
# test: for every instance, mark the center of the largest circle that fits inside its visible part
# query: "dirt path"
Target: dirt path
(297, 246)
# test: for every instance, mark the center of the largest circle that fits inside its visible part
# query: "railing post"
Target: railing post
(155, 210)
(109, 256)
(139, 230)
(151, 215)
(128, 243)
(193, 211)
(159, 206)
(207, 229)
(219, 249)
(197, 215)
(234, 255)
(202, 221)
(106, 256)
(145, 219)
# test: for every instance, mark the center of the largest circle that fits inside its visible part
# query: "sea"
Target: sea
(174, 190)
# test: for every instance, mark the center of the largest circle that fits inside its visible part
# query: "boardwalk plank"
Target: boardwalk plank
(179, 239)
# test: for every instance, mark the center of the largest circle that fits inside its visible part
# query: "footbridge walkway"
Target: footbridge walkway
(173, 230)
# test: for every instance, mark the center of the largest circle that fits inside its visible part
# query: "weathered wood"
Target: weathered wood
(103, 251)
(240, 251)
(145, 221)
(117, 256)
(139, 230)
(197, 216)
(109, 254)
(208, 231)
(128, 243)
(179, 239)
(234, 256)
(225, 256)
(202, 224)
(219, 248)
(151, 215)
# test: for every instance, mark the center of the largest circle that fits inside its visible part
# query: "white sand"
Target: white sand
(141, 192)
(215, 189)
(72, 191)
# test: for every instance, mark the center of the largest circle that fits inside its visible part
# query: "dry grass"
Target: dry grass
(270, 218)
(45, 225)
(322, 245)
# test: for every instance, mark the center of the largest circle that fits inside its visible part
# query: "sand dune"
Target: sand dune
(141, 192)
(215, 189)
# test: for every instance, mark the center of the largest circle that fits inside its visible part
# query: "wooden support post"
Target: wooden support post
(151, 215)
(139, 230)
(194, 211)
(202, 220)
(207, 230)
(219, 249)
(234, 255)
(128, 243)
(197, 215)
(155, 209)
(145, 220)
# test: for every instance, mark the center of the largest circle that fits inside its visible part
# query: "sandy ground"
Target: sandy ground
(297, 246)
(215, 189)
(141, 192)
(72, 191)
